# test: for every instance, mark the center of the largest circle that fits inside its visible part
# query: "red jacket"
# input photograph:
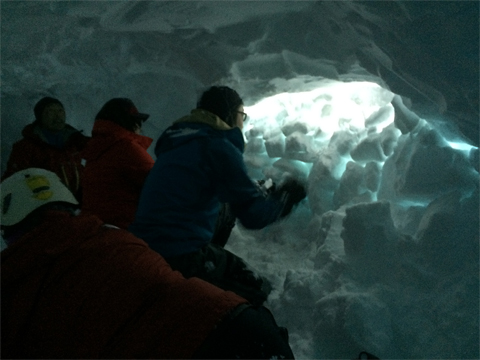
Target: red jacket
(117, 165)
(72, 288)
(35, 151)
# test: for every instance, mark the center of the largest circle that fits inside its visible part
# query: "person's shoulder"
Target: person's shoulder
(75, 136)
(226, 147)
(228, 138)
(30, 138)
(30, 132)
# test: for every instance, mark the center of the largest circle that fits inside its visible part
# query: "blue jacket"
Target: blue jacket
(199, 165)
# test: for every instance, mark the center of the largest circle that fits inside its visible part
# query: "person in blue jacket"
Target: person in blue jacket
(200, 166)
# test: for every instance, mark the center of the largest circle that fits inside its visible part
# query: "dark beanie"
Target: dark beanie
(221, 101)
(123, 112)
(42, 104)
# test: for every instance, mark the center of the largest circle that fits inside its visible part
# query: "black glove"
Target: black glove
(290, 193)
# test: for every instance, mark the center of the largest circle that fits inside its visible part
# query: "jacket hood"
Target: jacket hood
(199, 124)
(105, 134)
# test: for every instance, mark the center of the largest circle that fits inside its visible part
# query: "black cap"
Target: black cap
(221, 101)
(123, 112)
(42, 104)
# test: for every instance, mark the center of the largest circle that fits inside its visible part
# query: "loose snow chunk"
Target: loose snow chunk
(275, 146)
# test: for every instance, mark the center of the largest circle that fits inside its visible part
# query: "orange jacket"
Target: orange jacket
(117, 165)
(35, 151)
(73, 288)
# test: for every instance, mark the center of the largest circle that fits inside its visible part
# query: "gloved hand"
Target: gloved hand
(290, 193)
(267, 187)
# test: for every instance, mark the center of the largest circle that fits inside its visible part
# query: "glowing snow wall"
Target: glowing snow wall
(337, 136)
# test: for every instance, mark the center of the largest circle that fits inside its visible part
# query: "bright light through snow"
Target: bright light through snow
(329, 107)
(308, 118)
(461, 146)
(339, 132)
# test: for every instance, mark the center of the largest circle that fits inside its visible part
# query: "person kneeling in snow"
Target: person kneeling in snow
(73, 287)
(200, 166)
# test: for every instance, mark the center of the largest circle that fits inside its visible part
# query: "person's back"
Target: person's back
(75, 288)
(81, 296)
(49, 143)
(199, 166)
(199, 163)
(117, 163)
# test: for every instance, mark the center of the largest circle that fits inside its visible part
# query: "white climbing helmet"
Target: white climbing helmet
(27, 190)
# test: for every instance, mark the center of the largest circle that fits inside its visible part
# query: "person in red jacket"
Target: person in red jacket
(50, 143)
(73, 287)
(117, 163)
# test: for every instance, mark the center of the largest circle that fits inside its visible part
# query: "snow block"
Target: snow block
(291, 168)
(323, 180)
(423, 166)
(351, 186)
(295, 126)
(448, 231)
(255, 146)
(254, 132)
(297, 142)
(382, 116)
(436, 223)
(344, 141)
(369, 149)
(432, 170)
(368, 230)
(275, 145)
(372, 175)
(405, 119)
(329, 242)
(256, 165)
(389, 138)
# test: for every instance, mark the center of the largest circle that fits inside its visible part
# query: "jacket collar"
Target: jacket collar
(193, 126)
(205, 117)
(34, 132)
